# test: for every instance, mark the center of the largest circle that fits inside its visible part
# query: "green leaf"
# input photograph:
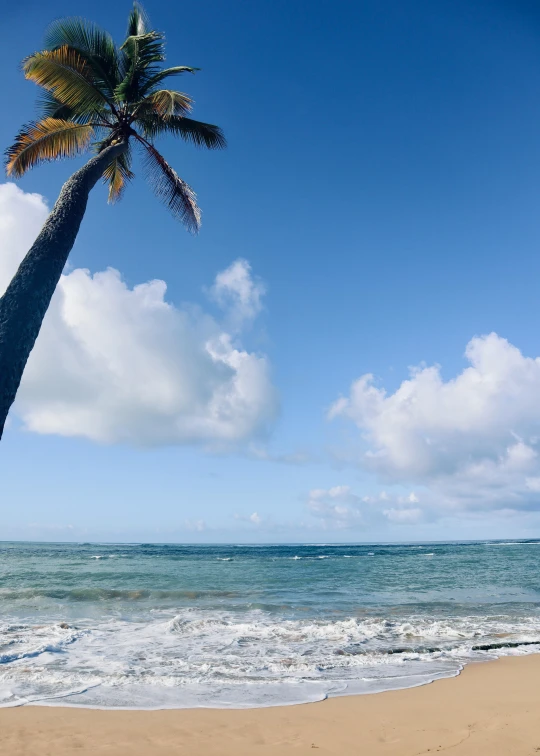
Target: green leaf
(198, 133)
(173, 191)
(140, 54)
(49, 107)
(161, 75)
(92, 43)
(138, 21)
(145, 49)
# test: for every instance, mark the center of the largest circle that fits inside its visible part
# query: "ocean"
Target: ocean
(172, 626)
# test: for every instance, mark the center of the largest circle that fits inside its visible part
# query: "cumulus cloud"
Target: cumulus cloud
(120, 364)
(473, 441)
(21, 218)
(254, 518)
(238, 292)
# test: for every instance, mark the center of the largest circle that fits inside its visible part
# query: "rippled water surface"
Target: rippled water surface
(156, 626)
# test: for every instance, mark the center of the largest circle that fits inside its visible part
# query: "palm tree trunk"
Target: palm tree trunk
(25, 301)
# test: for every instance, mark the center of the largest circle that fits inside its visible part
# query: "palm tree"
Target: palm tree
(108, 98)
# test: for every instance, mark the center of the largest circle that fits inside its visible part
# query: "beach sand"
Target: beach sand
(490, 709)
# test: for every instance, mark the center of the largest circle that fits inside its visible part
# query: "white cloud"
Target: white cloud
(409, 516)
(119, 364)
(196, 526)
(21, 218)
(254, 519)
(336, 507)
(473, 442)
(238, 292)
(340, 508)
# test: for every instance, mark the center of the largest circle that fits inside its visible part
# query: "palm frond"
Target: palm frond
(92, 43)
(198, 133)
(138, 21)
(163, 74)
(140, 54)
(168, 102)
(49, 139)
(117, 174)
(97, 93)
(173, 191)
(49, 107)
(144, 49)
(67, 75)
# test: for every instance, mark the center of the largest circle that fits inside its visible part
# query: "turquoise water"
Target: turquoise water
(154, 626)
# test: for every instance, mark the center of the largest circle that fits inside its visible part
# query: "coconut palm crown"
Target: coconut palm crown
(97, 95)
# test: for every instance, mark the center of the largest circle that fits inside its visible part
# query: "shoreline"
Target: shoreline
(47, 703)
(64, 701)
(490, 708)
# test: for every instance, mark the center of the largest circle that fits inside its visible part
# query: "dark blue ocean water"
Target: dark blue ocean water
(147, 625)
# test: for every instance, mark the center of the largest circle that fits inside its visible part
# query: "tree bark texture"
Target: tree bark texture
(25, 301)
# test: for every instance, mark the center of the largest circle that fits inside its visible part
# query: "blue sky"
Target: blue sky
(382, 182)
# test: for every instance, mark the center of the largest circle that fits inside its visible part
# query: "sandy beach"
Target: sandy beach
(491, 708)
